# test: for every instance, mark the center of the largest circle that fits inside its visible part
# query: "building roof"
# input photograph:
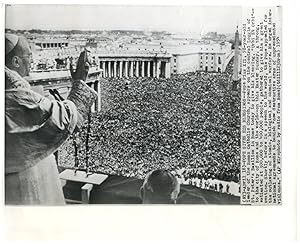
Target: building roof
(51, 41)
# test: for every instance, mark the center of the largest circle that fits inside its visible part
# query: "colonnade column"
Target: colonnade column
(143, 68)
(109, 69)
(121, 69)
(115, 69)
(103, 68)
(148, 69)
(126, 68)
(131, 68)
(137, 69)
(154, 69)
(158, 68)
(100, 64)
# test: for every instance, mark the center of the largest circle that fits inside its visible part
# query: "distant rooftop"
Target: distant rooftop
(50, 40)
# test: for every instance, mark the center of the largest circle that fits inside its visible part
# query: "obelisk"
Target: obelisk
(235, 77)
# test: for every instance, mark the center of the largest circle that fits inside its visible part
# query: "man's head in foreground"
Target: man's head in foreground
(160, 186)
(18, 55)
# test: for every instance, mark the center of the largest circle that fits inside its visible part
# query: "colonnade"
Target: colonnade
(135, 68)
(53, 44)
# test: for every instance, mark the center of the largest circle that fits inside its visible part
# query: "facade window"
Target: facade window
(206, 57)
(212, 57)
(219, 60)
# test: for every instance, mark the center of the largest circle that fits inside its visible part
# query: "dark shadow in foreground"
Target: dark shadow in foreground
(123, 190)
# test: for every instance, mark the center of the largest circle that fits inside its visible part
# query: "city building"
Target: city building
(208, 58)
(46, 44)
(135, 65)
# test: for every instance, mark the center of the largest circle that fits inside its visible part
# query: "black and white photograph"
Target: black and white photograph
(139, 105)
(167, 121)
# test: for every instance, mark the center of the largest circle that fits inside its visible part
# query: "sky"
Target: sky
(196, 19)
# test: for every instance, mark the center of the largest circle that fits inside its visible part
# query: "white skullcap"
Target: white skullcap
(11, 41)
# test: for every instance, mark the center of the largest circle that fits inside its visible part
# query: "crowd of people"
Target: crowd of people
(188, 124)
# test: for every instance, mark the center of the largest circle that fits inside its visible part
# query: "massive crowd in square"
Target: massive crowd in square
(188, 124)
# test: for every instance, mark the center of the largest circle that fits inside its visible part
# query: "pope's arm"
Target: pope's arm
(36, 126)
